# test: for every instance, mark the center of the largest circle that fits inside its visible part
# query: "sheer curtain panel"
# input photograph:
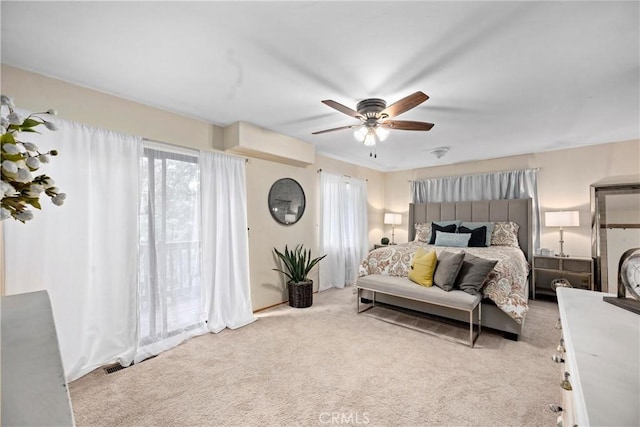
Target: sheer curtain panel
(516, 184)
(170, 291)
(84, 253)
(225, 244)
(343, 229)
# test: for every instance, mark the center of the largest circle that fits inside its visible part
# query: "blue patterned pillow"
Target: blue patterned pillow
(455, 240)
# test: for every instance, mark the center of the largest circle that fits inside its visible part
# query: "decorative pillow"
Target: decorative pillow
(452, 239)
(447, 269)
(423, 232)
(457, 222)
(473, 273)
(422, 267)
(449, 228)
(478, 236)
(473, 225)
(505, 234)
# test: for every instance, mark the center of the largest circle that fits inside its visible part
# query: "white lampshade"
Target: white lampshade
(391, 218)
(562, 219)
(370, 138)
(382, 133)
(360, 133)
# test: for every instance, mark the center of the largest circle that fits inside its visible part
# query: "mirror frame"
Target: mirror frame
(283, 193)
(599, 225)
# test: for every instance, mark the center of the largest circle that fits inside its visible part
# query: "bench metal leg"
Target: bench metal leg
(473, 339)
(471, 328)
(373, 301)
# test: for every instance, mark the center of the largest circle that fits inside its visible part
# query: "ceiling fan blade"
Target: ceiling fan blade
(405, 104)
(342, 108)
(406, 125)
(340, 128)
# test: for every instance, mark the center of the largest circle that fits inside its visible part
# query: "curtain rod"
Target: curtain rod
(213, 150)
(473, 174)
(344, 176)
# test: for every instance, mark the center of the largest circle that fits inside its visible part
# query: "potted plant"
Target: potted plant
(297, 264)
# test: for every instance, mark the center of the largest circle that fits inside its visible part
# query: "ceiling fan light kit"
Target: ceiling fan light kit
(367, 135)
(374, 116)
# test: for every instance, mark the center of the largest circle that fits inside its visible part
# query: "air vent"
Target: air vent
(113, 368)
(118, 367)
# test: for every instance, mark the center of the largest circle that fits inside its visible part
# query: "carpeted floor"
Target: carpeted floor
(326, 366)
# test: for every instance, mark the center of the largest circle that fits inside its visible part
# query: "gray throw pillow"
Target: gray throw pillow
(447, 269)
(473, 273)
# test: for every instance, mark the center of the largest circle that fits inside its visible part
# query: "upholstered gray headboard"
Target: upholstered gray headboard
(516, 210)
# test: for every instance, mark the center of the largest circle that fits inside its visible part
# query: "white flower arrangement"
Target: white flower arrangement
(19, 189)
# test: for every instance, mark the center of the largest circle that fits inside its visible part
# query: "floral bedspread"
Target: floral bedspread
(505, 285)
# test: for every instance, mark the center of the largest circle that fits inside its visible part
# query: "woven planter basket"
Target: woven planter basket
(301, 294)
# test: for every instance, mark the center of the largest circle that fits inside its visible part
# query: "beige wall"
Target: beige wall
(563, 184)
(37, 93)
(267, 286)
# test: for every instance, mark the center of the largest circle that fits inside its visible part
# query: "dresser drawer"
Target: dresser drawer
(549, 263)
(577, 266)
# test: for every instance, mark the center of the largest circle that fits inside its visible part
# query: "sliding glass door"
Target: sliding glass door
(170, 290)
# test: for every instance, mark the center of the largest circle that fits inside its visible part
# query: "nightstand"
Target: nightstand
(576, 270)
(379, 246)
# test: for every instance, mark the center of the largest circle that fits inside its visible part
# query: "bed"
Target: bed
(506, 290)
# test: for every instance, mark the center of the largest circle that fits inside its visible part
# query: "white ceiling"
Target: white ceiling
(504, 78)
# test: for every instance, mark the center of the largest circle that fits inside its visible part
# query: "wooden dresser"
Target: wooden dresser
(600, 361)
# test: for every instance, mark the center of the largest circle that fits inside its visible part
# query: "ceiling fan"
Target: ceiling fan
(374, 116)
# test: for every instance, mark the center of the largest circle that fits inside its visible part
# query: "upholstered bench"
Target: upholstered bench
(402, 287)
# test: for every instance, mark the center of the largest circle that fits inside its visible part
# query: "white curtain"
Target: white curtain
(84, 253)
(225, 244)
(343, 229)
(145, 250)
(516, 184)
(170, 292)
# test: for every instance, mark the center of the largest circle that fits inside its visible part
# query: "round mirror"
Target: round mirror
(286, 201)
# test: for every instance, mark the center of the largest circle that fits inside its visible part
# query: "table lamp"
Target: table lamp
(393, 219)
(562, 219)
